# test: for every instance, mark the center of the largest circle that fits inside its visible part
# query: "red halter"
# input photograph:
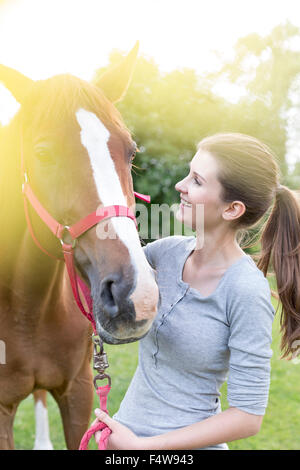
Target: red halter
(75, 231)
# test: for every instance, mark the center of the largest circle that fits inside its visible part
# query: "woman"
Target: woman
(215, 313)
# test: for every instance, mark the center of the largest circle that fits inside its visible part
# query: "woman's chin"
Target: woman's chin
(179, 216)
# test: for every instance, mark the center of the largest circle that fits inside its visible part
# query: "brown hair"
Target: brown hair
(248, 172)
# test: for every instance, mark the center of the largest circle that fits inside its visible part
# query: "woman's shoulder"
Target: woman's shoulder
(246, 272)
(247, 287)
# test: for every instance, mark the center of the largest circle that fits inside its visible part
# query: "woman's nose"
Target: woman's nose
(180, 186)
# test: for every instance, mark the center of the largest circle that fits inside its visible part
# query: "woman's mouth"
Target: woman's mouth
(185, 204)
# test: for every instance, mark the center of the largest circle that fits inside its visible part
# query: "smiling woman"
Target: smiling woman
(215, 316)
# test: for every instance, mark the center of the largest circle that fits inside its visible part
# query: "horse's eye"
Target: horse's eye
(43, 154)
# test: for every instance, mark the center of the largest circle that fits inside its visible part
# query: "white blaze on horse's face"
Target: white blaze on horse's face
(95, 137)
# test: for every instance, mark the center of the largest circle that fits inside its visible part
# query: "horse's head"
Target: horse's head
(78, 157)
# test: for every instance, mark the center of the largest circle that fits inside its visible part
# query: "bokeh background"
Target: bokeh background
(203, 67)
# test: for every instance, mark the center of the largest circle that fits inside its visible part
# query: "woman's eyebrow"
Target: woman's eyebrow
(202, 177)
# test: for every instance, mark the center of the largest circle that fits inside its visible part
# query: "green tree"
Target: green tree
(293, 180)
(268, 67)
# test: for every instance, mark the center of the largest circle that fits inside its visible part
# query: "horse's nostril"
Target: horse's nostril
(107, 297)
(111, 310)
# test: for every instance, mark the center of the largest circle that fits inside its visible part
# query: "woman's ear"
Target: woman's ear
(235, 210)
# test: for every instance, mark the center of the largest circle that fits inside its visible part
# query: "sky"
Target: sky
(41, 38)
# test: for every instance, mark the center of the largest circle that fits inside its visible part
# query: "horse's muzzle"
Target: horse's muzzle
(110, 339)
(118, 318)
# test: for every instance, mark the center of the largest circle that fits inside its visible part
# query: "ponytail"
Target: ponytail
(280, 246)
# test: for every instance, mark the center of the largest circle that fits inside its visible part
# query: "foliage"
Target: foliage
(269, 68)
(293, 179)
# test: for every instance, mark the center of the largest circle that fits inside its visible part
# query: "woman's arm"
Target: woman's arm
(229, 425)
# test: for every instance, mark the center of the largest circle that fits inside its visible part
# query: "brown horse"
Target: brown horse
(78, 157)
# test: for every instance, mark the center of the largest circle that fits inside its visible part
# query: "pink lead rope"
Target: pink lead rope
(102, 393)
(100, 364)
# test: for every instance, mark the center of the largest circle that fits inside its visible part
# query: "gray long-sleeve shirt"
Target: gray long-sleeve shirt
(196, 342)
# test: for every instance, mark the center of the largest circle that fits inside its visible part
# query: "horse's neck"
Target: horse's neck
(24, 269)
(31, 290)
(12, 219)
(11, 204)
(29, 275)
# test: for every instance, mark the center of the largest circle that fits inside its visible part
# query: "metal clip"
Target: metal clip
(100, 362)
(101, 377)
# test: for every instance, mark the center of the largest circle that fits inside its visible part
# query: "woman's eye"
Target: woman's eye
(197, 182)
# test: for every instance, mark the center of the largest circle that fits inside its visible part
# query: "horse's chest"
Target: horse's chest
(46, 360)
(26, 368)
(41, 348)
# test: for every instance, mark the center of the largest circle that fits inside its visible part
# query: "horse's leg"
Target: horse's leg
(75, 406)
(42, 437)
(7, 416)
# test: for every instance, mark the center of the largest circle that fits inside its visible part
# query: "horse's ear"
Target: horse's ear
(115, 81)
(15, 82)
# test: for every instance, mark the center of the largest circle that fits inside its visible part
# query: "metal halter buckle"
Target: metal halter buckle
(66, 229)
(25, 181)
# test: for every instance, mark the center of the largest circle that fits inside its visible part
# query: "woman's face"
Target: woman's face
(200, 191)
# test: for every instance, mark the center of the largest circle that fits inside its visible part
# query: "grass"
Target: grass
(280, 426)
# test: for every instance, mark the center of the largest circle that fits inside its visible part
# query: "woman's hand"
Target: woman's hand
(121, 437)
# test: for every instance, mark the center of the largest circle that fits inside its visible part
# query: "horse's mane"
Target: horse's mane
(50, 101)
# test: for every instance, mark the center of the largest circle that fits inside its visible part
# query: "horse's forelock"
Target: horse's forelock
(57, 99)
